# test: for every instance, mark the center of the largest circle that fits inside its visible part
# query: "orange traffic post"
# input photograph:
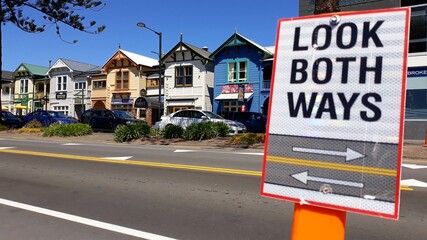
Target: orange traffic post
(317, 223)
(425, 140)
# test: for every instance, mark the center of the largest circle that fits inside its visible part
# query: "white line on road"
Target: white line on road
(72, 144)
(413, 183)
(2, 148)
(413, 166)
(118, 158)
(85, 221)
(241, 153)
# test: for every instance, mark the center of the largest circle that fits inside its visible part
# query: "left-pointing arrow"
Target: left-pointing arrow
(349, 154)
(304, 178)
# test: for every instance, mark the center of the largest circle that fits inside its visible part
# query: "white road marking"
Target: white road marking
(241, 153)
(413, 166)
(85, 221)
(2, 148)
(413, 183)
(118, 158)
(184, 151)
(72, 144)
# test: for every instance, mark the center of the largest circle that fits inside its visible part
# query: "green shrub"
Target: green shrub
(66, 130)
(172, 131)
(154, 132)
(222, 128)
(247, 139)
(33, 124)
(131, 132)
(3, 127)
(206, 130)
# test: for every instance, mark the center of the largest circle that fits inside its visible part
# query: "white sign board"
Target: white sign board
(337, 111)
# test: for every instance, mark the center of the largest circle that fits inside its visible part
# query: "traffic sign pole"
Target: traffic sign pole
(317, 223)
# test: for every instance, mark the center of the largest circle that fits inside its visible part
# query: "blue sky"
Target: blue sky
(202, 23)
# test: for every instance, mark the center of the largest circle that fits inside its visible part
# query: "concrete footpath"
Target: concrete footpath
(413, 150)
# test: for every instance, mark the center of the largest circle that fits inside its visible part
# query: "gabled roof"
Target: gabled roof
(34, 70)
(79, 66)
(238, 39)
(198, 51)
(135, 58)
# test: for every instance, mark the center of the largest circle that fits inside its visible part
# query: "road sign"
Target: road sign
(336, 115)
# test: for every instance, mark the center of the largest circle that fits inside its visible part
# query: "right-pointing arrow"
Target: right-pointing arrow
(304, 178)
(349, 154)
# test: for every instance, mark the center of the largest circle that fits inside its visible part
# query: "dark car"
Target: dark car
(47, 117)
(10, 120)
(107, 120)
(255, 122)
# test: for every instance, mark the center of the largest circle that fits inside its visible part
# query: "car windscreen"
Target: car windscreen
(122, 114)
(57, 114)
(212, 115)
(8, 115)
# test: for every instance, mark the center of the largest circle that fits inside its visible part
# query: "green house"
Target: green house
(31, 86)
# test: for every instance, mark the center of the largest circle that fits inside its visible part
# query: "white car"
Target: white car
(185, 118)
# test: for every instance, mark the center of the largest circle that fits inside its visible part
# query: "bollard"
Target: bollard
(425, 140)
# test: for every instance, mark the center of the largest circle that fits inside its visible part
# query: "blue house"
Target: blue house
(242, 76)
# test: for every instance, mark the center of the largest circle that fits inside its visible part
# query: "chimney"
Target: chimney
(205, 48)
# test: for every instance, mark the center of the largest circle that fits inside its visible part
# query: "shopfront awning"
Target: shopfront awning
(20, 107)
(3, 107)
(232, 96)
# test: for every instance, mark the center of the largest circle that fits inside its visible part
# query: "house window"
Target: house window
(24, 86)
(237, 71)
(79, 85)
(232, 106)
(63, 109)
(184, 76)
(61, 83)
(122, 80)
(7, 90)
(99, 84)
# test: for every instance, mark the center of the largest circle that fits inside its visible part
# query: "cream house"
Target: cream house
(189, 78)
(126, 80)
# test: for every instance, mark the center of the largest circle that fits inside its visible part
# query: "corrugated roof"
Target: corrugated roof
(202, 52)
(6, 75)
(139, 59)
(267, 50)
(35, 69)
(80, 66)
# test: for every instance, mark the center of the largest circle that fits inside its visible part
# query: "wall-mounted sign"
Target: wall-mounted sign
(141, 103)
(61, 95)
(234, 88)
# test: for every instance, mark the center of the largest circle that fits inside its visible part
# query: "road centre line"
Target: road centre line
(334, 166)
(136, 162)
(144, 163)
(85, 221)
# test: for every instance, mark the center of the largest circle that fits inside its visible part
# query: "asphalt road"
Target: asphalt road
(132, 201)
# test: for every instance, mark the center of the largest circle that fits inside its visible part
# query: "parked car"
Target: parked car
(186, 117)
(107, 120)
(10, 120)
(255, 122)
(47, 117)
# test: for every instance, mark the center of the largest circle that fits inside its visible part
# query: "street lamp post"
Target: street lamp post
(140, 24)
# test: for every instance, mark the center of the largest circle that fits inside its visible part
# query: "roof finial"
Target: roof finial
(120, 46)
(180, 38)
(235, 29)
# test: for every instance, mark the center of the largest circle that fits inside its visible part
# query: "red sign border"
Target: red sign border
(394, 216)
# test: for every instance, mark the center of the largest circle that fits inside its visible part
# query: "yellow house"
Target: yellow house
(126, 80)
(99, 91)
